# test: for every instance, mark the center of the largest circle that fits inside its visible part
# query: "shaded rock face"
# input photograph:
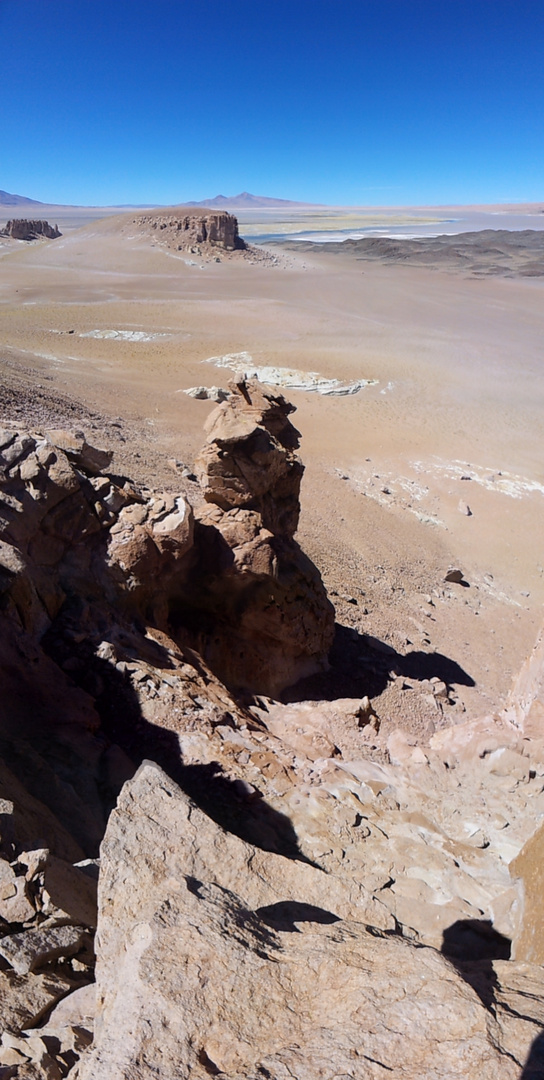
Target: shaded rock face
(234, 585)
(21, 229)
(218, 229)
(251, 576)
(217, 959)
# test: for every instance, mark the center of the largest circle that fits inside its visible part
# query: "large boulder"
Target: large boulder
(216, 958)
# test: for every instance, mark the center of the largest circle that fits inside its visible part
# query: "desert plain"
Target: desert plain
(309, 837)
(435, 464)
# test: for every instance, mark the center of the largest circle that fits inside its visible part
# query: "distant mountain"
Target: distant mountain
(17, 200)
(245, 201)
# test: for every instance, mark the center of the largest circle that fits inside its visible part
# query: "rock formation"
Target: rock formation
(21, 229)
(214, 229)
(251, 575)
(289, 891)
(217, 959)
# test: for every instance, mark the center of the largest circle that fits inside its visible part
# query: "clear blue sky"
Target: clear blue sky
(368, 102)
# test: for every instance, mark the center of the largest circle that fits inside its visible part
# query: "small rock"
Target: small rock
(440, 689)
(464, 508)
(454, 574)
(77, 449)
(15, 904)
(245, 791)
(31, 949)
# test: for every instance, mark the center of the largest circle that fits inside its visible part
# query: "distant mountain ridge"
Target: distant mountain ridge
(6, 199)
(245, 201)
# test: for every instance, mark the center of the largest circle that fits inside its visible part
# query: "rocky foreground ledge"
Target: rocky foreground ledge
(281, 890)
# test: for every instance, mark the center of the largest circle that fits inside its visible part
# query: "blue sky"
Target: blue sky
(360, 102)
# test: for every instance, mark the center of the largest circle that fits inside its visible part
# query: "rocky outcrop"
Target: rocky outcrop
(120, 612)
(237, 587)
(22, 229)
(249, 458)
(197, 230)
(251, 575)
(217, 959)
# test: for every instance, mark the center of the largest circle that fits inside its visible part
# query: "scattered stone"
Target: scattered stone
(22, 229)
(32, 949)
(25, 998)
(454, 575)
(464, 508)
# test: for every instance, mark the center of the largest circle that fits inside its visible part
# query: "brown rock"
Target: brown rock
(15, 902)
(76, 1010)
(248, 459)
(529, 866)
(454, 574)
(25, 998)
(22, 229)
(207, 229)
(251, 576)
(31, 949)
(206, 965)
(78, 450)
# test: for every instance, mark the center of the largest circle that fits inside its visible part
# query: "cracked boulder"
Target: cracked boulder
(216, 958)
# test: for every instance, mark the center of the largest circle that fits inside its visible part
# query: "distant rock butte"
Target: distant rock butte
(190, 231)
(23, 229)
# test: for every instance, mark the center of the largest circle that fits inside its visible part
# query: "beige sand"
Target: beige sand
(456, 415)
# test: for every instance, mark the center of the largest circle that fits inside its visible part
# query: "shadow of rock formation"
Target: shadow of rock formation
(287, 913)
(472, 945)
(534, 1066)
(360, 664)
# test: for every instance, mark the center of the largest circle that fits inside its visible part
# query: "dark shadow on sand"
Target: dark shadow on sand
(361, 664)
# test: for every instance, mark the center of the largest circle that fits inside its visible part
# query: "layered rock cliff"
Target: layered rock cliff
(214, 229)
(22, 229)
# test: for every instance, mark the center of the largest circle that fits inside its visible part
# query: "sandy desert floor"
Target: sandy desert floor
(453, 421)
